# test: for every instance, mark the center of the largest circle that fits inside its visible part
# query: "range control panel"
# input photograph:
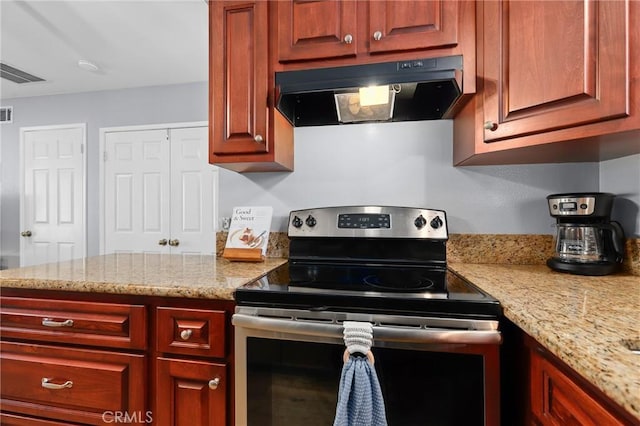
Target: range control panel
(368, 222)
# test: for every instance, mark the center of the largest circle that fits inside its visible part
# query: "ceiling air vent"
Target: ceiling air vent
(6, 114)
(16, 75)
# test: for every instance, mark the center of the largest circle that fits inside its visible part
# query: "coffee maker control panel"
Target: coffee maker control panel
(570, 206)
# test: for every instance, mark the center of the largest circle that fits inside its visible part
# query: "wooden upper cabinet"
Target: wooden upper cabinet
(558, 81)
(408, 25)
(316, 29)
(553, 64)
(359, 31)
(246, 133)
(239, 79)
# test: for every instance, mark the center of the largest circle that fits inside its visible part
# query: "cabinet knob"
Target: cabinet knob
(259, 138)
(490, 125)
(348, 39)
(163, 242)
(46, 383)
(377, 36)
(26, 233)
(213, 383)
(186, 334)
(174, 243)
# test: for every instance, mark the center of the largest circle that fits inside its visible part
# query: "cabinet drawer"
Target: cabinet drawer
(82, 323)
(7, 419)
(75, 385)
(191, 332)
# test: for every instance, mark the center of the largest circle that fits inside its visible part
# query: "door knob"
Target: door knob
(213, 383)
(348, 39)
(174, 243)
(26, 233)
(258, 138)
(377, 35)
(163, 242)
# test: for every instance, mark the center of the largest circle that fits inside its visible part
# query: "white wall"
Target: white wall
(407, 164)
(392, 164)
(621, 176)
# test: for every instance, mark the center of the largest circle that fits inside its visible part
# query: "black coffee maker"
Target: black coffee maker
(587, 242)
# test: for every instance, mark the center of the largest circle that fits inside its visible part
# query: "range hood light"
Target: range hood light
(374, 95)
(351, 109)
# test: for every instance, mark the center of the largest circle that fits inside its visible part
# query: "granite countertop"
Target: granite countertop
(194, 276)
(582, 320)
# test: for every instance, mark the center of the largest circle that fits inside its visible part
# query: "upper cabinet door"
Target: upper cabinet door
(316, 29)
(408, 25)
(553, 64)
(239, 60)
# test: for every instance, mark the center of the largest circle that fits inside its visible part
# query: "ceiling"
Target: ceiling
(133, 43)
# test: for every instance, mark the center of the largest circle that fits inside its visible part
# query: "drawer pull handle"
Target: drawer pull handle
(46, 383)
(186, 334)
(213, 383)
(48, 322)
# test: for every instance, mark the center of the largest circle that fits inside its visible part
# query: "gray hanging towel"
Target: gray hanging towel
(360, 401)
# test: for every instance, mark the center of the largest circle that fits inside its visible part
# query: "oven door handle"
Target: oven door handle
(381, 333)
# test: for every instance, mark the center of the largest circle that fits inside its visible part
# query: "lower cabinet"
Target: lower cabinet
(557, 399)
(89, 359)
(191, 369)
(190, 393)
(540, 389)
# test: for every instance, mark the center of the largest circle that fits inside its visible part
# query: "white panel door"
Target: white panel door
(53, 201)
(193, 185)
(159, 192)
(136, 191)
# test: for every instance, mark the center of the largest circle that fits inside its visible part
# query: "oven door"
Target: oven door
(288, 366)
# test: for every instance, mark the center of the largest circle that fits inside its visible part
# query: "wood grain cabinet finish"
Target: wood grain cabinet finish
(557, 400)
(193, 332)
(168, 361)
(75, 385)
(7, 419)
(190, 393)
(245, 132)
(319, 30)
(551, 72)
(79, 323)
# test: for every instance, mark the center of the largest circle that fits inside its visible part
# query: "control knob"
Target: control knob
(311, 221)
(420, 222)
(436, 222)
(297, 222)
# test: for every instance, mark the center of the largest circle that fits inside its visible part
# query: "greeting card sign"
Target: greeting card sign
(248, 233)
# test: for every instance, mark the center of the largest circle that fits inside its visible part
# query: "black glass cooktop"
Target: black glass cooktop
(371, 288)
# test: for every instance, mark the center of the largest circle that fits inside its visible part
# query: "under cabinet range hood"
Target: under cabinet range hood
(409, 90)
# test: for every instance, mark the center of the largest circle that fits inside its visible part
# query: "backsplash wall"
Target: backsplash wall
(407, 164)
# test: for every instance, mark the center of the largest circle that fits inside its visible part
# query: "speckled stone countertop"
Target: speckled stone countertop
(582, 320)
(585, 321)
(193, 276)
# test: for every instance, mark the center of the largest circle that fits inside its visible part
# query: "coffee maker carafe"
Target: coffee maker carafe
(587, 242)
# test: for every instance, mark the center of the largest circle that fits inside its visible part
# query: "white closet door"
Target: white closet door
(137, 187)
(193, 189)
(52, 219)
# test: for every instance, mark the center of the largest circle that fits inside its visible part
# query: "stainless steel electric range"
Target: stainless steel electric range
(379, 264)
